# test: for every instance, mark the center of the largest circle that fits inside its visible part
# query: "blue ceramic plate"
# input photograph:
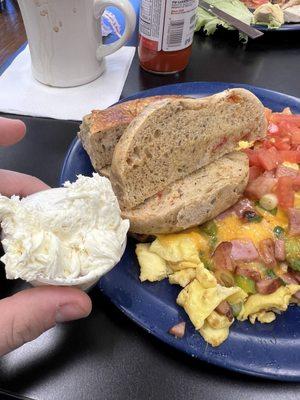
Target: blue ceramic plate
(284, 27)
(266, 350)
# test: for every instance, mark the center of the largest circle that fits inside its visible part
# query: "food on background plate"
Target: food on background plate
(245, 263)
(66, 236)
(258, 12)
(292, 14)
(209, 22)
(269, 14)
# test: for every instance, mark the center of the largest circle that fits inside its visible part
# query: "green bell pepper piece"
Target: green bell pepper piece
(247, 284)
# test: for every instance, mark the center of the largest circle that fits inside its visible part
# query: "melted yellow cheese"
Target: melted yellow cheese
(199, 240)
(280, 218)
(232, 227)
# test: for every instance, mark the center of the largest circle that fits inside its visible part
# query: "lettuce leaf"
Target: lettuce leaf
(270, 15)
(209, 22)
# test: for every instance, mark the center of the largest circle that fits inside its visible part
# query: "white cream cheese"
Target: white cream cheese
(63, 233)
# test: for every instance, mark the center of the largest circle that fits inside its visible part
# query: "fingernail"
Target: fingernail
(69, 312)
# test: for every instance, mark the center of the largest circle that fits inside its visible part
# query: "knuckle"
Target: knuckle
(19, 333)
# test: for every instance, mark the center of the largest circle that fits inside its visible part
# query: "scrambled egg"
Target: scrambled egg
(265, 317)
(153, 267)
(182, 265)
(178, 257)
(183, 277)
(206, 278)
(200, 302)
(278, 300)
(178, 247)
(213, 336)
(217, 321)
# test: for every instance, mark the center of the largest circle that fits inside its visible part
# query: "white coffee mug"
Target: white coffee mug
(65, 39)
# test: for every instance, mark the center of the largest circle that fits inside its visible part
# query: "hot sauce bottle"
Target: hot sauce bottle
(166, 33)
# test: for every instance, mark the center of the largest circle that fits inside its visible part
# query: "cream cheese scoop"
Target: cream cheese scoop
(68, 236)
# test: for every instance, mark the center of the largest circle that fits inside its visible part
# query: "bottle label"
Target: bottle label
(167, 24)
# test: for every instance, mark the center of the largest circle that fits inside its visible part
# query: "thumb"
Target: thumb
(27, 314)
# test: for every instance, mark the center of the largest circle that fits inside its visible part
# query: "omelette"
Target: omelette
(245, 263)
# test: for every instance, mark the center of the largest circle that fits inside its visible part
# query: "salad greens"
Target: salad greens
(209, 22)
(270, 15)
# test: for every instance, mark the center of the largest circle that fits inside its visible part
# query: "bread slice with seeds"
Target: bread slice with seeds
(101, 130)
(170, 139)
(194, 199)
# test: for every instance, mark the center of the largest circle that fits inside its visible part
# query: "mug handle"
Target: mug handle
(130, 21)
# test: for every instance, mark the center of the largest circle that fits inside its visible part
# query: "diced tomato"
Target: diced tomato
(296, 137)
(293, 118)
(273, 129)
(269, 158)
(282, 143)
(285, 192)
(254, 172)
(289, 155)
(285, 128)
(296, 183)
(267, 144)
(253, 157)
(254, 3)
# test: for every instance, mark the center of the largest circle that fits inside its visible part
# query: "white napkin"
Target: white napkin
(20, 93)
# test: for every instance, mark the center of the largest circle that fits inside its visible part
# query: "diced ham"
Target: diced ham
(267, 252)
(249, 272)
(295, 275)
(243, 250)
(288, 278)
(225, 214)
(225, 309)
(268, 286)
(260, 186)
(178, 330)
(238, 209)
(282, 170)
(279, 250)
(297, 296)
(269, 174)
(294, 221)
(222, 257)
(242, 206)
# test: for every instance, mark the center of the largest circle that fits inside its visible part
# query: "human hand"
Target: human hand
(27, 314)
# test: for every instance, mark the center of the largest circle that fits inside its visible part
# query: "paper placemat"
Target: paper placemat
(21, 94)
